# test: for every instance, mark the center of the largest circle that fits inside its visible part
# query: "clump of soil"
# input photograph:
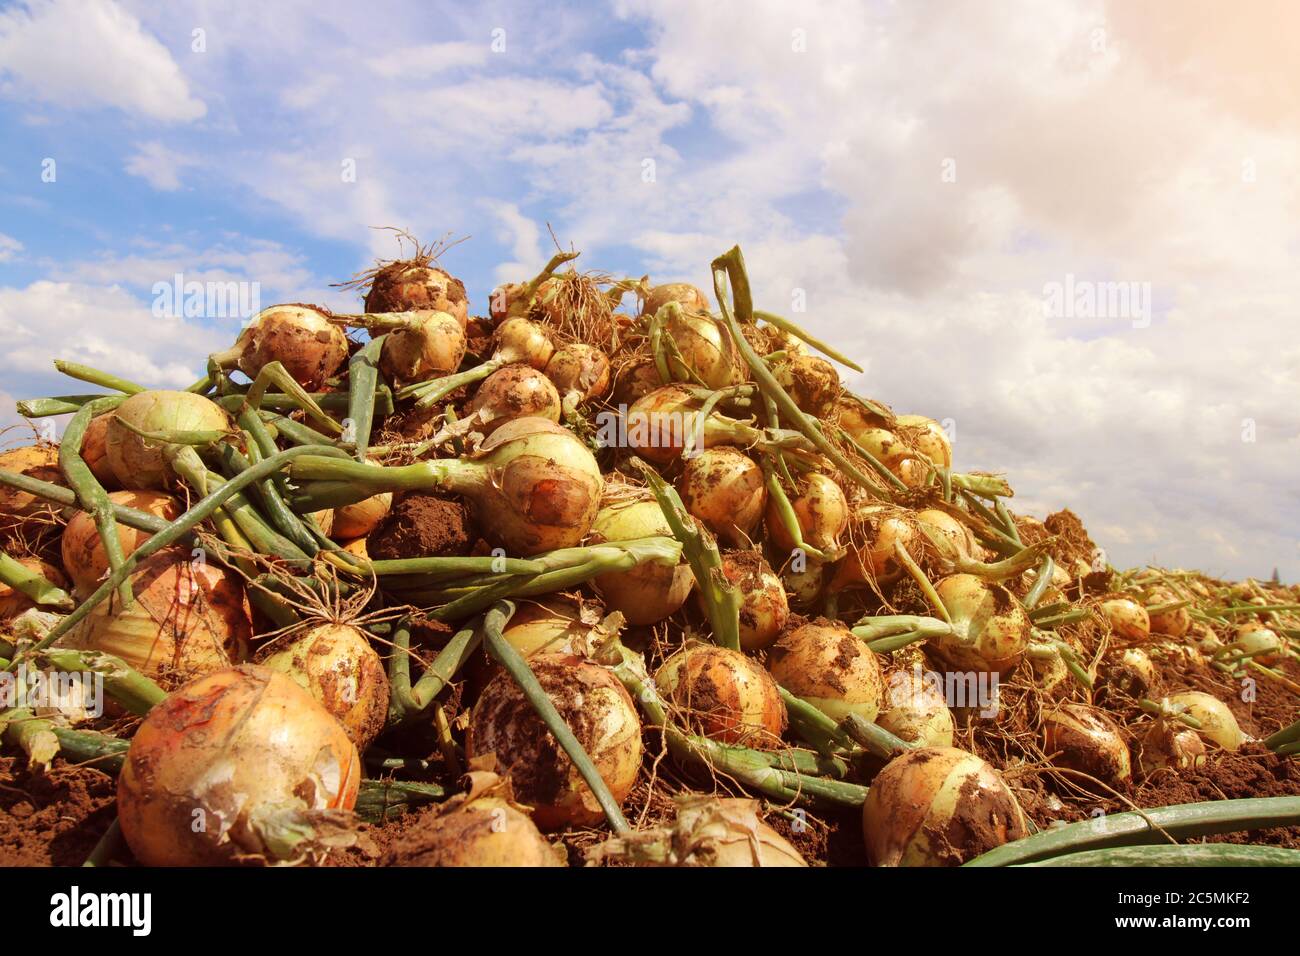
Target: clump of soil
(423, 526)
(53, 818)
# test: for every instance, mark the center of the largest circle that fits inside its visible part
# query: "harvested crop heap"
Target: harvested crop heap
(618, 574)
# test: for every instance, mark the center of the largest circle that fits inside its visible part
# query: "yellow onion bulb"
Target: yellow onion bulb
(34, 461)
(515, 391)
(708, 832)
(1170, 745)
(855, 417)
(811, 382)
(357, 546)
(948, 538)
(885, 446)
(662, 422)
(1262, 643)
(14, 602)
(300, 337)
(94, 451)
(189, 617)
(1218, 725)
(1127, 618)
(938, 806)
(602, 716)
(871, 553)
(723, 695)
(1132, 671)
(432, 346)
(361, 517)
(651, 591)
(521, 340)
(915, 710)
(342, 672)
(926, 436)
(704, 350)
(556, 624)
(580, 373)
(83, 550)
(415, 286)
(725, 489)
(992, 629)
(142, 464)
(831, 669)
(1175, 623)
(1084, 738)
(634, 379)
(821, 510)
(689, 297)
(230, 768)
(913, 472)
(486, 831)
(764, 608)
(804, 581)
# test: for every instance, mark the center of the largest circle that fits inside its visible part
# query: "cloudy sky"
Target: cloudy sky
(929, 178)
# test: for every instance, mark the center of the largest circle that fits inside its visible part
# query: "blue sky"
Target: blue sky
(1153, 143)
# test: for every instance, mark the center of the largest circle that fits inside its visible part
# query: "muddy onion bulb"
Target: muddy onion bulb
(724, 488)
(342, 672)
(915, 710)
(1127, 618)
(875, 559)
(142, 464)
(723, 695)
(521, 340)
(927, 436)
(689, 297)
(938, 806)
(992, 629)
(1262, 643)
(651, 591)
(487, 831)
(948, 537)
(1170, 745)
(83, 552)
(708, 832)
(228, 768)
(831, 669)
(1218, 725)
(1175, 623)
(803, 581)
(821, 510)
(188, 618)
(515, 391)
(432, 345)
(764, 607)
(35, 461)
(415, 285)
(14, 602)
(810, 381)
(603, 717)
(580, 373)
(705, 349)
(1131, 671)
(299, 337)
(1086, 739)
(634, 379)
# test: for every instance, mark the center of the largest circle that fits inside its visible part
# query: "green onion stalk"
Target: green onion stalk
(33, 584)
(90, 493)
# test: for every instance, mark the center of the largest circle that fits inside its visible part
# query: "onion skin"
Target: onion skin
(804, 587)
(603, 718)
(515, 391)
(1218, 725)
(94, 452)
(1170, 745)
(949, 538)
(724, 488)
(811, 382)
(188, 618)
(141, 465)
(1086, 739)
(708, 832)
(1132, 671)
(915, 710)
(83, 550)
(764, 608)
(521, 340)
(831, 669)
(938, 806)
(299, 337)
(413, 286)
(487, 831)
(995, 626)
(435, 347)
(361, 517)
(342, 672)
(649, 592)
(875, 558)
(579, 372)
(557, 624)
(723, 695)
(706, 350)
(634, 380)
(35, 461)
(689, 297)
(1127, 618)
(213, 762)
(1254, 637)
(821, 510)
(14, 602)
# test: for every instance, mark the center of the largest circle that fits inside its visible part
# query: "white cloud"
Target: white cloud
(78, 53)
(423, 61)
(159, 166)
(9, 247)
(524, 238)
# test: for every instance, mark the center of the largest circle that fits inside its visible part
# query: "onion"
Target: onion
(14, 602)
(94, 451)
(724, 488)
(822, 512)
(708, 831)
(723, 695)
(810, 381)
(764, 608)
(634, 379)
(1175, 623)
(1170, 745)
(432, 345)
(484, 831)
(1217, 723)
(362, 517)
(831, 669)
(235, 767)
(555, 625)
(299, 337)
(992, 629)
(188, 618)
(342, 672)
(689, 297)
(416, 285)
(949, 538)
(356, 546)
(1262, 643)
(804, 587)
(603, 718)
(1086, 739)
(926, 436)
(1127, 618)
(649, 592)
(871, 557)
(520, 340)
(515, 391)
(142, 464)
(915, 710)
(35, 461)
(704, 350)
(83, 549)
(580, 373)
(1131, 670)
(856, 416)
(938, 806)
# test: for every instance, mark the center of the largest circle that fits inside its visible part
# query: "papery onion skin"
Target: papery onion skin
(342, 672)
(821, 510)
(831, 669)
(141, 464)
(435, 347)
(522, 340)
(635, 379)
(914, 710)
(580, 372)
(217, 755)
(487, 831)
(938, 806)
(995, 626)
(1170, 745)
(83, 550)
(555, 624)
(651, 591)
(689, 297)
(299, 337)
(1218, 725)
(1127, 618)
(14, 602)
(724, 488)
(1131, 671)
(875, 558)
(35, 461)
(948, 537)
(1088, 740)
(723, 695)
(411, 286)
(602, 716)
(708, 832)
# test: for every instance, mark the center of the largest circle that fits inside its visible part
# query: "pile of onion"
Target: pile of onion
(651, 591)
(338, 667)
(300, 337)
(938, 806)
(602, 716)
(240, 766)
(764, 608)
(724, 488)
(991, 629)
(831, 669)
(139, 463)
(915, 710)
(1086, 739)
(83, 550)
(724, 695)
